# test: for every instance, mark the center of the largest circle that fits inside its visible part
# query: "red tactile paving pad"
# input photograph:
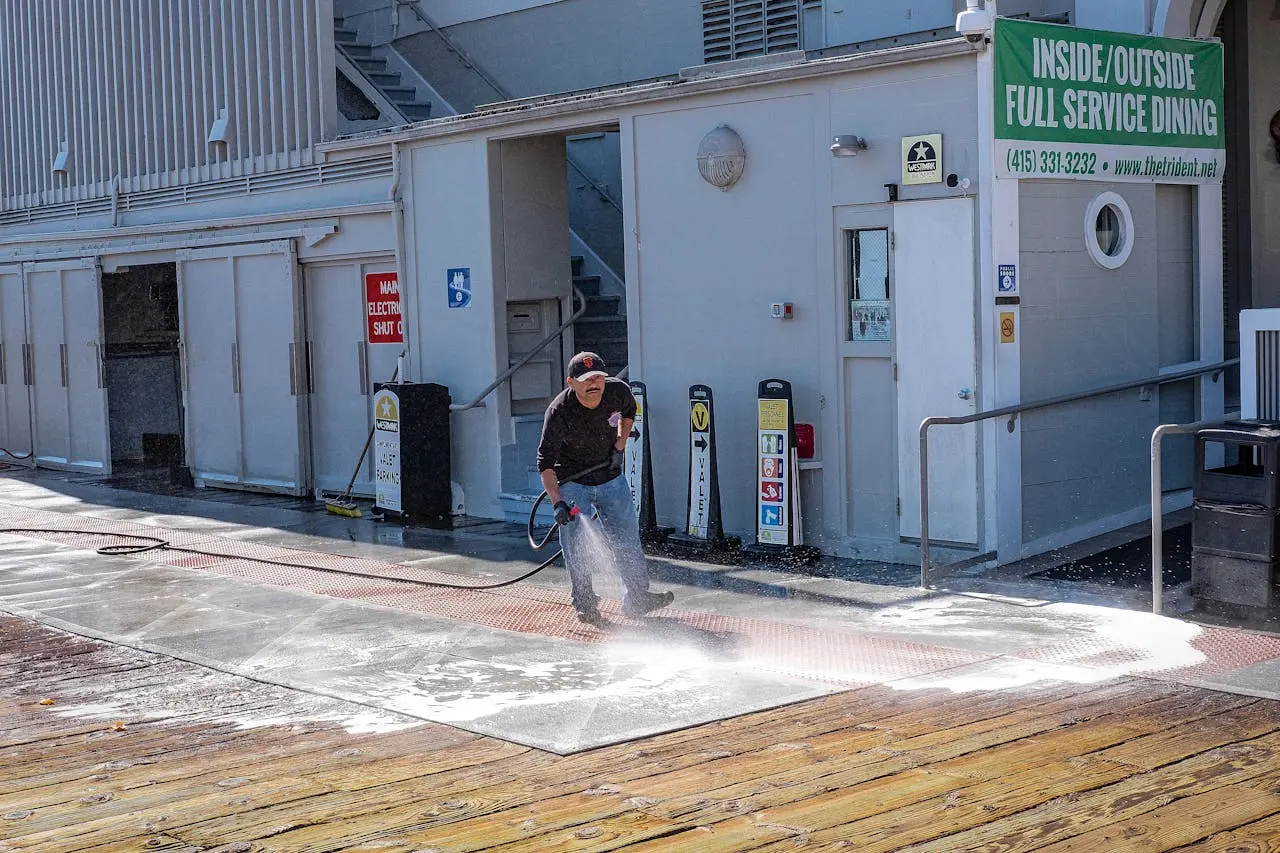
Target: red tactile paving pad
(846, 658)
(1227, 650)
(828, 655)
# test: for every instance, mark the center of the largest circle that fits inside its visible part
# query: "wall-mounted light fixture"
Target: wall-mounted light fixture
(219, 132)
(1275, 133)
(722, 157)
(847, 145)
(60, 160)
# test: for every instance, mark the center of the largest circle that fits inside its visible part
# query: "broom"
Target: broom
(343, 505)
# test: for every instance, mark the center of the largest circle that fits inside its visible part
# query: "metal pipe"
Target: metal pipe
(1157, 500)
(510, 371)
(924, 504)
(925, 566)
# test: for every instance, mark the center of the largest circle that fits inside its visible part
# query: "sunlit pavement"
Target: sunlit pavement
(515, 663)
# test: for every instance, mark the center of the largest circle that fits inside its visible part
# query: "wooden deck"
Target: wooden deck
(1126, 765)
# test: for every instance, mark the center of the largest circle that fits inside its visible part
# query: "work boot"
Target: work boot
(592, 617)
(646, 602)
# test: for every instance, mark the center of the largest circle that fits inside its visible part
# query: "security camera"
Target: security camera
(974, 23)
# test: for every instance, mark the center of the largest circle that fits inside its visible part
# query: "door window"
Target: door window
(870, 311)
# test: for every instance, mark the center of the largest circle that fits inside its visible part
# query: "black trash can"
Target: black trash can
(1235, 530)
(412, 464)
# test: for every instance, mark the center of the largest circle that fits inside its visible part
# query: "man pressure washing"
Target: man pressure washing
(586, 429)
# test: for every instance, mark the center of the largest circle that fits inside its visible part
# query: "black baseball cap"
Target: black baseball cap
(584, 365)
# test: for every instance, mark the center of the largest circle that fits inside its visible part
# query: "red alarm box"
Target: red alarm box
(804, 441)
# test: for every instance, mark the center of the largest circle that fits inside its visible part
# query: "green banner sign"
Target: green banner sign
(1099, 105)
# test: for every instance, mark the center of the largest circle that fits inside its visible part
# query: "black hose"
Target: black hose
(153, 543)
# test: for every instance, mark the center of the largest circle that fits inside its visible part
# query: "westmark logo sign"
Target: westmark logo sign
(1097, 105)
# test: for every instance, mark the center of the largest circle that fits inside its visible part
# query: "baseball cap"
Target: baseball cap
(585, 365)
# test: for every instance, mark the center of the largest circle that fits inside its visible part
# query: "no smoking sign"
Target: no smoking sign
(1008, 327)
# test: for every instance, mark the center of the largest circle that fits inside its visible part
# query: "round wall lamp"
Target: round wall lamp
(847, 145)
(722, 158)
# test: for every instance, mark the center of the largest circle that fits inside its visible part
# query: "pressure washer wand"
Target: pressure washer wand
(533, 513)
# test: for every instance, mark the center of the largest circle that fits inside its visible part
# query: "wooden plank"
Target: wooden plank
(1139, 794)
(137, 824)
(1259, 837)
(1182, 822)
(1165, 747)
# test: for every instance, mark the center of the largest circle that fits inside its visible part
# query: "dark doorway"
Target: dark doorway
(142, 368)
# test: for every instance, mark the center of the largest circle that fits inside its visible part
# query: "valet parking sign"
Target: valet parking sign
(1098, 105)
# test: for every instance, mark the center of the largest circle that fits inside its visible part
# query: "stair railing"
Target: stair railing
(510, 371)
(503, 94)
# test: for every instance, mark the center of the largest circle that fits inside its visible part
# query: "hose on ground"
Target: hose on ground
(147, 544)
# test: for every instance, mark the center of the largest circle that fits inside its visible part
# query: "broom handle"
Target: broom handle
(363, 453)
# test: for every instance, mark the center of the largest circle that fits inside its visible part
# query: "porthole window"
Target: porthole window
(1108, 230)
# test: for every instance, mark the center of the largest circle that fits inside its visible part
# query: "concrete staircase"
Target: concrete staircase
(602, 329)
(388, 83)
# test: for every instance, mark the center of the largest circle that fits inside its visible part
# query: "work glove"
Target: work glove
(564, 513)
(617, 459)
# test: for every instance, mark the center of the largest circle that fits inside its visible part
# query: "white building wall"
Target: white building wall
(449, 224)
(133, 90)
(709, 263)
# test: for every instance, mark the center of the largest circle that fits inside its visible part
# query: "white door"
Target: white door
(243, 374)
(210, 383)
(937, 363)
(15, 394)
(69, 397)
(343, 368)
(272, 370)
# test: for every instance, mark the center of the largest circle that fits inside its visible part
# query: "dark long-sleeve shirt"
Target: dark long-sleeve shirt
(575, 437)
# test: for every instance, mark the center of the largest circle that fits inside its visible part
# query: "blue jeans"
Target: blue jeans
(621, 532)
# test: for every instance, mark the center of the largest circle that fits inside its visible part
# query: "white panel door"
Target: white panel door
(50, 409)
(211, 405)
(242, 368)
(69, 400)
(86, 380)
(15, 394)
(936, 351)
(272, 370)
(344, 366)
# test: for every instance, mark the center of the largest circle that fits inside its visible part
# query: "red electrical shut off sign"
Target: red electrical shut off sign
(382, 304)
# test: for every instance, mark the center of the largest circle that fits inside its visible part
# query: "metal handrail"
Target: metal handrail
(510, 371)
(1157, 500)
(415, 7)
(1013, 411)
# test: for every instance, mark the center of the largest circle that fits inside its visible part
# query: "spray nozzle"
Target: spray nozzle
(574, 512)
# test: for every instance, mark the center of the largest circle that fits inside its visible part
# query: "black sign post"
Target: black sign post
(640, 470)
(703, 531)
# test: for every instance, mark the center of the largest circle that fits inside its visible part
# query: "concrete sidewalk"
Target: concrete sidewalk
(514, 663)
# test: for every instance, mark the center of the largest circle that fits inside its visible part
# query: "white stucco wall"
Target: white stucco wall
(448, 222)
(709, 263)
